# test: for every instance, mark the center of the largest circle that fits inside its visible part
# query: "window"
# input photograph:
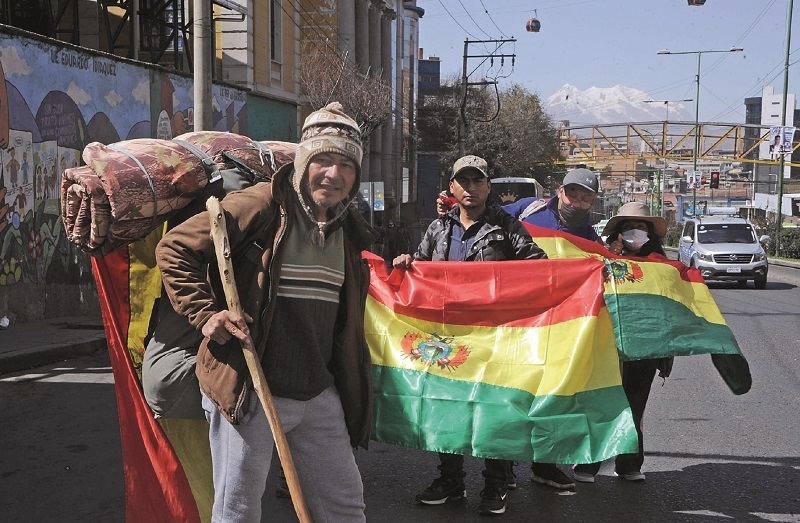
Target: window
(275, 33)
(726, 233)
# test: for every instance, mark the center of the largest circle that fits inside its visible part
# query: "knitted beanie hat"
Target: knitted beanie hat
(328, 130)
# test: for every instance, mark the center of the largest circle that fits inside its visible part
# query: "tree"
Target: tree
(508, 128)
(521, 140)
(327, 77)
(437, 120)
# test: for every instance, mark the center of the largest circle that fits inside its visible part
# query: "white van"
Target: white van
(725, 248)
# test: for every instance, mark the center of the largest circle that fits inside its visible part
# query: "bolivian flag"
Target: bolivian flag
(167, 463)
(659, 308)
(520, 359)
(512, 360)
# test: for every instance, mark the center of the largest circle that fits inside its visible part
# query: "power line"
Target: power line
(457, 22)
(473, 20)
(492, 20)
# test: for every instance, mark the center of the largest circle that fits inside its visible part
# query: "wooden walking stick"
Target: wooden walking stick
(219, 234)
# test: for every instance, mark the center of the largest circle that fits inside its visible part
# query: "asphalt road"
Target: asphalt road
(711, 455)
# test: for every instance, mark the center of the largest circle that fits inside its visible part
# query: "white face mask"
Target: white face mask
(634, 239)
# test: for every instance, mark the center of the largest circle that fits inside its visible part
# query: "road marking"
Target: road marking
(100, 375)
(704, 513)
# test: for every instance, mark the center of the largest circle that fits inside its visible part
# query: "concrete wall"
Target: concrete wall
(55, 99)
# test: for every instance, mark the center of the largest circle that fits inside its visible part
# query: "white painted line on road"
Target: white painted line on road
(782, 518)
(704, 513)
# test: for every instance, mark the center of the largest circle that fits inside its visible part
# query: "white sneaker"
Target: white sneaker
(634, 475)
(583, 477)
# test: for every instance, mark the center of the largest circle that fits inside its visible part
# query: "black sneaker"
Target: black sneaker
(493, 500)
(511, 479)
(550, 474)
(441, 491)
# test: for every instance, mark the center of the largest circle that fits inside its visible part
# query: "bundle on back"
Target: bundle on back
(129, 188)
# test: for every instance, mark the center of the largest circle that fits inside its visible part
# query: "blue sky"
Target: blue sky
(603, 43)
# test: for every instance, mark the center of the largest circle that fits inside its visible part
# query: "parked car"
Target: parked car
(725, 248)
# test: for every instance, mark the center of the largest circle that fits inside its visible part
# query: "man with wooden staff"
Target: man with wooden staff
(295, 245)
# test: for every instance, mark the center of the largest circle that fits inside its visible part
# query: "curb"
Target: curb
(29, 359)
(24, 346)
(16, 361)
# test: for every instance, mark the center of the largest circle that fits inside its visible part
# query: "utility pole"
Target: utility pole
(465, 83)
(202, 39)
(783, 124)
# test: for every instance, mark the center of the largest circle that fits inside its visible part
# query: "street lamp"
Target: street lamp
(667, 102)
(697, 109)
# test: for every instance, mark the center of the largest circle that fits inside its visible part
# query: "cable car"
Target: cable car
(533, 25)
(696, 2)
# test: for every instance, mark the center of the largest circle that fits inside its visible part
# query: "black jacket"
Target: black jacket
(501, 237)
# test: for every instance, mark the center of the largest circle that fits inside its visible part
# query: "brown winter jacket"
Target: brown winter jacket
(257, 219)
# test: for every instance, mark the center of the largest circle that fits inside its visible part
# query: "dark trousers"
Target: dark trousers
(637, 377)
(496, 471)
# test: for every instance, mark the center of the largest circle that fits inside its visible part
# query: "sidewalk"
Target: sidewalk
(28, 345)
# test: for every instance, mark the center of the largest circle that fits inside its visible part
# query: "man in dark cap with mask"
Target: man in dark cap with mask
(296, 246)
(567, 211)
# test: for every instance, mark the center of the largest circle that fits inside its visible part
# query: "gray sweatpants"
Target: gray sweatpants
(241, 456)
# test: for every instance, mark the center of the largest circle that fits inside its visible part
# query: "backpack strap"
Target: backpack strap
(532, 208)
(210, 166)
(267, 153)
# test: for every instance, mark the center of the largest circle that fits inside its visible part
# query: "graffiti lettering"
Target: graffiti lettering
(74, 60)
(232, 95)
(105, 68)
(59, 126)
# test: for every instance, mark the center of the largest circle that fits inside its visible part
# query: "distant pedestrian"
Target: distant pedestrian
(444, 203)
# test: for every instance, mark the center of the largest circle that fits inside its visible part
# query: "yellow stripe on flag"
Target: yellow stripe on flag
(661, 279)
(561, 359)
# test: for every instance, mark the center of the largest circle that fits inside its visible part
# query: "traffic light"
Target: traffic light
(714, 183)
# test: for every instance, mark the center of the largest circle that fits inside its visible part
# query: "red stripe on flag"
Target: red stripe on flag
(490, 293)
(156, 488)
(686, 274)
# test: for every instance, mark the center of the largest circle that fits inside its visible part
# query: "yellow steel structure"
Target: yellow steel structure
(719, 142)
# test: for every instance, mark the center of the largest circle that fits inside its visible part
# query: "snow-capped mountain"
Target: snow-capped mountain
(618, 104)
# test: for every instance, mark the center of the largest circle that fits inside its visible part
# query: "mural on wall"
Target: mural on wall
(53, 102)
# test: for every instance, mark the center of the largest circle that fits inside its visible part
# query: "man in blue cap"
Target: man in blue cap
(567, 211)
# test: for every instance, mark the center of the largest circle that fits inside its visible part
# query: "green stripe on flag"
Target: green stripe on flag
(652, 326)
(423, 411)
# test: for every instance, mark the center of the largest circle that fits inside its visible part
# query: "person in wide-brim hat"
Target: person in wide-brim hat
(639, 212)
